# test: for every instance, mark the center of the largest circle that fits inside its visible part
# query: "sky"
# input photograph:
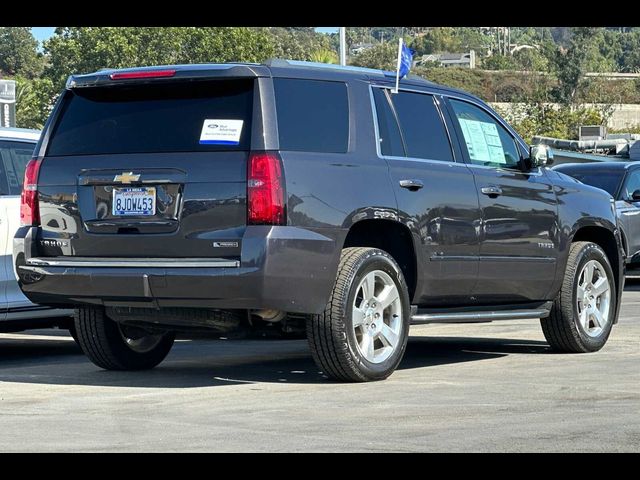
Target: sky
(43, 33)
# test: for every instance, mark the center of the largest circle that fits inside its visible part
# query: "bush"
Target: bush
(548, 120)
(492, 86)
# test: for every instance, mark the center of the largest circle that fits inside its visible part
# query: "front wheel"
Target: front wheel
(113, 346)
(582, 315)
(362, 334)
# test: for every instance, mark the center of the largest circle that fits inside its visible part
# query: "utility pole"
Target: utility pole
(343, 46)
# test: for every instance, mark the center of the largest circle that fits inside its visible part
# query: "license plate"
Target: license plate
(139, 201)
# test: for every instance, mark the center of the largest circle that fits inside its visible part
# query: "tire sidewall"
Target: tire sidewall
(138, 360)
(377, 260)
(593, 252)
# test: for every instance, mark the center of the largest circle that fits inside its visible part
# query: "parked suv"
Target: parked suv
(216, 196)
(622, 181)
(16, 312)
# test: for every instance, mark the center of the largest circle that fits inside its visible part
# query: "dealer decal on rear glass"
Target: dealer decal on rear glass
(221, 132)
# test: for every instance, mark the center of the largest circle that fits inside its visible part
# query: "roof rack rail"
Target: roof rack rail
(280, 62)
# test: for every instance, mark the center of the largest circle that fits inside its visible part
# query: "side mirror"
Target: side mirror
(635, 196)
(540, 155)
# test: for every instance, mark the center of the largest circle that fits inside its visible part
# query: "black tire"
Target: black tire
(331, 335)
(101, 340)
(562, 328)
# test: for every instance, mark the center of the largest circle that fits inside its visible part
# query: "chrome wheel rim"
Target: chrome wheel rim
(593, 298)
(138, 339)
(377, 316)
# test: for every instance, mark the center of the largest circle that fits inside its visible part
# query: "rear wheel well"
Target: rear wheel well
(392, 237)
(606, 240)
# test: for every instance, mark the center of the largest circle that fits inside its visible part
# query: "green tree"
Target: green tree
(298, 45)
(571, 64)
(19, 52)
(33, 102)
(437, 40)
(499, 62)
(382, 56)
(87, 49)
(531, 60)
(324, 55)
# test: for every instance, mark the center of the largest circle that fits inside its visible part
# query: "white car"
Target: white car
(16, 312)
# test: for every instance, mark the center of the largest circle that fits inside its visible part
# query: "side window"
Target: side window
(313, 115)
(632, 184)
(488, 143)
(422, 128)
(390, 138)
(13, 160)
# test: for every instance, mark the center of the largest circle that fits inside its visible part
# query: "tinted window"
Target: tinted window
(15, 156)
(167, 117)
(422, 128)
(390, 139)
(632, 184)
(607, 181)
(487, 142)
(313, 115)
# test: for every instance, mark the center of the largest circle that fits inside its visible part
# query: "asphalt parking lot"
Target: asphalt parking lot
(485, 387)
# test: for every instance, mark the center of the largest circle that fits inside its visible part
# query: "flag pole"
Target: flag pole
(395, 90)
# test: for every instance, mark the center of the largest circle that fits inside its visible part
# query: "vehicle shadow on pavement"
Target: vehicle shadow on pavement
(216, 363)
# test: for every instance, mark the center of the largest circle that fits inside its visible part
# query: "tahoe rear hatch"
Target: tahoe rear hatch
(147, 169)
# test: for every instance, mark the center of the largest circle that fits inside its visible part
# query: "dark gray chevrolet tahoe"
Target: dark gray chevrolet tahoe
(228, 196)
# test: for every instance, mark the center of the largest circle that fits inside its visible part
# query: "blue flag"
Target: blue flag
(406, 60)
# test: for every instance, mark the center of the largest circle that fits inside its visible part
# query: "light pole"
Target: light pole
(343, 46)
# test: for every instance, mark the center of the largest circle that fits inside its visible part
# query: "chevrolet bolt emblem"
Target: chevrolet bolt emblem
(126, 177)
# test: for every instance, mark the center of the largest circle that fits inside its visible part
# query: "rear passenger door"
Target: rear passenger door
(436, 195)
(519, 234)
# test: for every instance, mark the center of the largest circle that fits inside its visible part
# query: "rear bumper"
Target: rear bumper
(283, 268)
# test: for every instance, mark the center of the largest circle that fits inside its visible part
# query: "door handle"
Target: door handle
(491, 191)
(411, 185)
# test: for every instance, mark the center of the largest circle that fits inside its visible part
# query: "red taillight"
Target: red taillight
(29, 210)
(142, 74)
(265, 189)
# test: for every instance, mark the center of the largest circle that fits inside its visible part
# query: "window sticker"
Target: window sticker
(483, 141)
(221, 132)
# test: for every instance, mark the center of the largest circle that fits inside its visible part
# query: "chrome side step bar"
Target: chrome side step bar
(483, 316)
(132, 262)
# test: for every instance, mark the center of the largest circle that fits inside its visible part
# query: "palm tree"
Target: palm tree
(324, 55)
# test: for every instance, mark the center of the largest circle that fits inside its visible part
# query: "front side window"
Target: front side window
(488, 143)
(632, 185)
(14, 156)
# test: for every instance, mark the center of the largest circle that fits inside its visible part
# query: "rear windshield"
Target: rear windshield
(171, 117)
(607, 181)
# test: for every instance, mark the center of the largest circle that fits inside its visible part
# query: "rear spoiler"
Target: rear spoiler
(167, 73)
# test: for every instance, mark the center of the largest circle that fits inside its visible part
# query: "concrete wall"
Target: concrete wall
(625, 115)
